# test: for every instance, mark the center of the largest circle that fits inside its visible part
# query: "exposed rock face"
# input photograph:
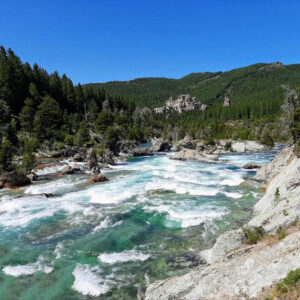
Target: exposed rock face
(107, 157)
(142, 152)
(181, 104)
(13, 180)
(159, 145)
(77, 157)
(239, 271)
(227, 102)
(91, 159)
(246, 146)
(189, 154)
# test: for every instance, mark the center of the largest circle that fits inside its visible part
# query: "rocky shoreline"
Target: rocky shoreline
(239, 268)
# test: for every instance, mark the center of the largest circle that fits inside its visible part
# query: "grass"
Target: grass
(252, 236)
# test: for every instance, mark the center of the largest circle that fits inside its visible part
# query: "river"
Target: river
(105, 241)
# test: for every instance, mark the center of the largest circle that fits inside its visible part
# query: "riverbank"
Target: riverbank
(239, 268)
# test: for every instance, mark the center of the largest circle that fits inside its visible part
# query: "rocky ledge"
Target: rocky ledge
(237, 269)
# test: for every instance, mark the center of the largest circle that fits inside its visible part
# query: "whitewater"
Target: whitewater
(150, 220)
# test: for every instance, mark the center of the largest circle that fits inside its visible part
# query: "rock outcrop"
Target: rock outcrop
(235, 270)
(227, 102)
(181, 104)
(13, 180)
(96, 176)
(251, 165)
(91, 159)
(159, 145)
(246, 146)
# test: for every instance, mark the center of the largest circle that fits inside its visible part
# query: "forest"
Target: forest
(42, 111)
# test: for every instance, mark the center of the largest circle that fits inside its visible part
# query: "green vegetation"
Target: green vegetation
(291, 281)
(252, 236)
(276, 196)
(281, 233)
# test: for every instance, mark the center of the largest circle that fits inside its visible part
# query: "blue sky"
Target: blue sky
(96, 41)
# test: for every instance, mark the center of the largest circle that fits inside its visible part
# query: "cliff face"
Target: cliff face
(181, 104)
(235, 270)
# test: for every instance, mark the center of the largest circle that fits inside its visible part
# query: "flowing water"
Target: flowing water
(107, 240)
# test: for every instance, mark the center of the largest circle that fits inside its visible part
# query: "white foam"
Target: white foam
(29, 269)
(233, 195)
(49, 170)
(121, 257)
(106, 223)
(87, 282)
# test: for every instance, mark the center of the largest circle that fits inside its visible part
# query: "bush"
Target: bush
(277, 196)
(297, 148)
(252, 236)
(281, 233)
(267, 140)
(292, 279)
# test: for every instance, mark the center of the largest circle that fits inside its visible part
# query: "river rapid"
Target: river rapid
(105, 241)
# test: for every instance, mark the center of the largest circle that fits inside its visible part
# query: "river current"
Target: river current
(106, 241)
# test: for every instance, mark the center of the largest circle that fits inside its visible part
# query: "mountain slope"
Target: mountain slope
(252, 85)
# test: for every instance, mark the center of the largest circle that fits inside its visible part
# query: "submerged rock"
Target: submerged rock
(13, 180)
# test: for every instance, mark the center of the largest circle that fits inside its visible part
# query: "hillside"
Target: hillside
(257, 86)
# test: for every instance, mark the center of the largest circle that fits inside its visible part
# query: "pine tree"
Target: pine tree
(6, 153)
(295, 126)
(27, 115)
(28, 156)
(267, 139)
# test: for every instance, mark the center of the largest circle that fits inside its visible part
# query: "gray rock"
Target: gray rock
(13, 180)
(32, 176)
(188, 154)
(252, 165)
(91, 159)
(78, 158)
(246, 146)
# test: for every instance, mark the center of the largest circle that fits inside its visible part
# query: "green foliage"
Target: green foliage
(104, 120)
(30, 145)
(276, 196)
(267, 139)
(6, 152)
(252, 236)
(297, 148)
(292, 280)
(295, 125)
(285, 212)
(26, 115)
(47, 118)
(82, 135)
(281, 233)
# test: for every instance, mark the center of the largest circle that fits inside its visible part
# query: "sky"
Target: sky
(99, 40)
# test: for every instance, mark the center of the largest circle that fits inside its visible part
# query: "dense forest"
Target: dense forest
(46, 112)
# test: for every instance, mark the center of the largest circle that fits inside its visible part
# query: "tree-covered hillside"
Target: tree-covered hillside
(254, 91)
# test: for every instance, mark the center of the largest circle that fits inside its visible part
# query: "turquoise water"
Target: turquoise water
(104, 241)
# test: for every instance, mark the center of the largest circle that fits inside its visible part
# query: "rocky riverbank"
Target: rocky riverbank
(245, 261)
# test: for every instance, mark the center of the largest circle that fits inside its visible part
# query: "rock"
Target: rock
(187, 143)
(32, 176)
(159, 145)
(246, 146)
(43, 166)
(126, 146)
(95, 170)
(142, 152)
(91, 159)
(188, 154)
(200, 146)
(269, 170)
(13, 180)
(66, 170)
(78, 158)
(227, 102)
(181, 104)
(107, 157)
(97, 178)
(225, 143)
(252, 165)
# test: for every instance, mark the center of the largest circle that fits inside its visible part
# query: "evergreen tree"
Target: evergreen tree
(104, 119)
(82, 135)
(28, 156)
(295, 126)
(6, 153)
(47, 118)
(267, 139)
(27, 115)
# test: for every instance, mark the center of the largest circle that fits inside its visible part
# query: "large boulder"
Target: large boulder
(91, 159)
(78, 157)
(13, 180)
(125, 146)
(66, 170)
(107, 157)
(187, 142)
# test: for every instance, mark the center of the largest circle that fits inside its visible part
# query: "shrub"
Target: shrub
(291, 280)
(281, 233)
(252, 236)
(285, 212)
(276, 196)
